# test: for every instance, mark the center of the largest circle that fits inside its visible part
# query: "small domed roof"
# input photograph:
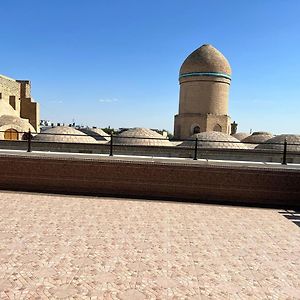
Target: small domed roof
(276, 143)
(257, 137)
(64, 134)
(214, 139)
(240, 135)
(96, 133)
(142, 137)
(206, 59)
(15, 122)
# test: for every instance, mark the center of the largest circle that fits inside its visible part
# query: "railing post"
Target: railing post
(111, 145)
(29, 141)
(284, 153)
(196, 149)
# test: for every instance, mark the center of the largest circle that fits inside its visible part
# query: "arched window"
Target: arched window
(218, 128)
(11, 134)
(196, 129)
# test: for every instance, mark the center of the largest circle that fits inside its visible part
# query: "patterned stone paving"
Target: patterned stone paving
(67, 247)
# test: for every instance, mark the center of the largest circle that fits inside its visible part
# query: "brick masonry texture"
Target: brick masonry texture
(9, 87)
(23, 105)
(151, 179)
(203, 100)
(68, 247)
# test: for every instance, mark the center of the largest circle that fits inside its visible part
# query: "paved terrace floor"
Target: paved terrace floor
(67, 247)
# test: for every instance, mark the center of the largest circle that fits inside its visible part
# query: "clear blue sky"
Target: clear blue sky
(116, 62)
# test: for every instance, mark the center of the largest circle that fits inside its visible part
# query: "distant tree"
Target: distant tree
(109, 130)
(170, 135)
(162, 132)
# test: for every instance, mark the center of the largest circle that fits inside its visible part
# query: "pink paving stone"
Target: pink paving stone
(63, 291)
(165, 282)
(46, 272)
(104, 277)
(5, 285)
(69, 247)
(132, 294)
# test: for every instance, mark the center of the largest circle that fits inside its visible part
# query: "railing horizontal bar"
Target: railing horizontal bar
(118, 137)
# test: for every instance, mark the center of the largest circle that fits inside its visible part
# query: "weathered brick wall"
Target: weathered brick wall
(9, 87)
(22, 102)
(203, 100)
(25, 88)
(151, 180)
(30, 110)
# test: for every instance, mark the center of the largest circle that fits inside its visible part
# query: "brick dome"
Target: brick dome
(16, 123)
(64, 134)
(240, 135)
(214, 139)
(256, 138)
(276, 143)
(143, 137)
(206, 59)
(96, 133)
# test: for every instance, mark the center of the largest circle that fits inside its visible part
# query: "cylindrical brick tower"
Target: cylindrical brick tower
(204, 79)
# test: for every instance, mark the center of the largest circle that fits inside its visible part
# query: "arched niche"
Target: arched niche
(196, 129)
(11, 134)
(218, 128)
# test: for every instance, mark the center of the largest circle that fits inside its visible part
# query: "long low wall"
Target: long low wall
(142, 179)
(157, 151)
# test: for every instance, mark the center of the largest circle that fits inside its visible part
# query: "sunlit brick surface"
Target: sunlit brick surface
(55, 247)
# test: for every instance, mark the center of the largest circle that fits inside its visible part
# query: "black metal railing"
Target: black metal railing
(195, 145)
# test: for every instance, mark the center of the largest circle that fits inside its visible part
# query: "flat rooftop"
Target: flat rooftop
(71, 247)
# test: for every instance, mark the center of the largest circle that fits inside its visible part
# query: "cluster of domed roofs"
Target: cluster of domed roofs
(261, 140)
(133, 136)
(147, 137)
(64, 134)
(277, 142)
